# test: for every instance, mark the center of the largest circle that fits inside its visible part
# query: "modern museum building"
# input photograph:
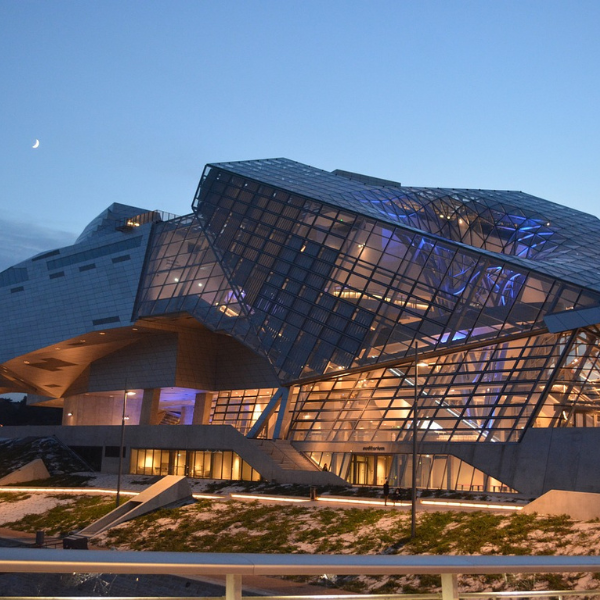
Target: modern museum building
(308, 326)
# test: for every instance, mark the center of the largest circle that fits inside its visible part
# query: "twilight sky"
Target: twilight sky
(131, 99)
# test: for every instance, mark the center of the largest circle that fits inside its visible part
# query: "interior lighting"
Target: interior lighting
(229, 312)
(130, 393)
(102, 333)
(269, 498)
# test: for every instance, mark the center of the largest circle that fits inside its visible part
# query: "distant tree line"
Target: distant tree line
(19, 413)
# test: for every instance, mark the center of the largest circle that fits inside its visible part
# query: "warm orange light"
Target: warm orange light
(269, 498)
(207, 497)
(357, 501)
(471, 504)
(65, 491)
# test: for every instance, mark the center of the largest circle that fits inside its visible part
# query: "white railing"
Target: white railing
(235, 566)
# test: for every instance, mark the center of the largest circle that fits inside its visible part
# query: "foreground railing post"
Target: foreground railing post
(449, 586)
(233, 587)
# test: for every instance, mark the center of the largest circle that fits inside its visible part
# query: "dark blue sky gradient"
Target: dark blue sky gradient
(131, 99)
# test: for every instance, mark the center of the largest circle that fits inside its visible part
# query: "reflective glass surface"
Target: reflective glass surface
(560, 241)
(573, 398)
(326, 289)
(239, 408)
(484, 394)
(336, 278)
(434, 472)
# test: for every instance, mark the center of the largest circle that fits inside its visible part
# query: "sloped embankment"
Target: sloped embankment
(57, 457)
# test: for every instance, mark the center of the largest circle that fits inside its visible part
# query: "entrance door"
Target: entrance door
(370, 469)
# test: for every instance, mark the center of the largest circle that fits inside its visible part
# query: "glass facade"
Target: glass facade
(240, 408)
(553, 239)
(573, 398)
(199, 464)
(489, 393)
(337, 279)
(322, 289)
(434, 472)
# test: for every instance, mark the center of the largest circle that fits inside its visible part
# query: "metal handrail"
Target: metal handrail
(236, 565)
(433, 596)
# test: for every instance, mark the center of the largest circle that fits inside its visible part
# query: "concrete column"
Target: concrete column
(202, 408)
(449, 586)
(284, 418)
(233, 587)
(186, 415)
(149, 412)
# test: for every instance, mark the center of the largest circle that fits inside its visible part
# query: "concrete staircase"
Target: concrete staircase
(274, 460)
(278, 460)
(169, 418)
(286, 456)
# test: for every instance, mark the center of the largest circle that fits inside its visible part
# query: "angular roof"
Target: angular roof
(106, 222)
(529, 231)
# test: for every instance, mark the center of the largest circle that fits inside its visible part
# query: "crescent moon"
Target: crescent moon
(37, 143)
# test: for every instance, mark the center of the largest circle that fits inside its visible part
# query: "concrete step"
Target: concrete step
(288, 458)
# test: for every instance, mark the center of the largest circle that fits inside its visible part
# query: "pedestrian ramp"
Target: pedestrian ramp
(583, 506)
(169, 490)
(32, 471)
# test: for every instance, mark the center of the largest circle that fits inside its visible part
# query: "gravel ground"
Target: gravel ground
(34, 505)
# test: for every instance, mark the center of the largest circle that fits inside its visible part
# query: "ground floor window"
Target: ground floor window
(201, 464)
(434, 471)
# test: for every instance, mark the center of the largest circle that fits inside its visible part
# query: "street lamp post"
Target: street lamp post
(413, 521)
(121, 447)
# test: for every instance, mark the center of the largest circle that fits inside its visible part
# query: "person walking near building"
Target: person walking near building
(386, 491)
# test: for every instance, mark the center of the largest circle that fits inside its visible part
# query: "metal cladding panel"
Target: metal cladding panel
(86, 287)
(573, 319)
